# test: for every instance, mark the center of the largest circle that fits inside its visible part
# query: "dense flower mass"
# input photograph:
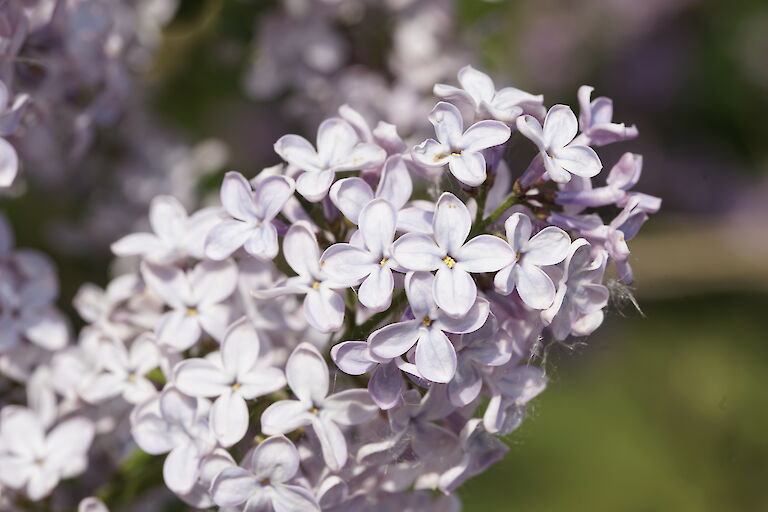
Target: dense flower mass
(351, 330)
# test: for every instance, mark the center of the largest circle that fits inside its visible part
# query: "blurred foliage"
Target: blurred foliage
(654, 414)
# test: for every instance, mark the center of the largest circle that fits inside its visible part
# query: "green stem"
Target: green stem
(508, 203)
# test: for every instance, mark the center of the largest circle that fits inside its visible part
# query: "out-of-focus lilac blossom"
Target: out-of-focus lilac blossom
(252, 213)
(460, 149)
(195, 298)
(338, 149)
(34, 460)
(480, 94)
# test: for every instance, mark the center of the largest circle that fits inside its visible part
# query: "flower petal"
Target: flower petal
(285, 416)
(395, 184)
(262, 242)
(301, 250)
(560, 126)
(238, 199)
(350, 195)
(233, 486)
(548, 247)
(225, 238)
(468, 168)
(378, 221)
(375, 292)
(299, 152)
(579, 160)
(416, 251)
(271, 195)
(276, 459)
(307, 374)
(314, 185)
(395, 339)
(451, 224)
(229, 418)
(485, 134)
(352, 357)
(435, 356)
(454, 290)
(484, 253)
(324, 309)
(350, 407)
(200, 377)
(534, 286)
(448, 123)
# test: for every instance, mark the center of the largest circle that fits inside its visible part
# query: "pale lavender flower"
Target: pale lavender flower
(547, 247)
(511, 388)
(308, 379)
(176, 424)
(372, 262)
(176, 235)
(196, 299)
(124, 371)
(480, 94)
(338, 149)
(435, 355)
(252, 212)
(236, 373)
(386, 382)
(448, 252)
(460, 149)
(580, 298)
(562, 156)
(323, 306)
(34, 461)
(263, 481)
(596, 121)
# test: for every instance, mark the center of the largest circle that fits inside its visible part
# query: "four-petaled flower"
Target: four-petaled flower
(309, 380)
(338, 149)
(262, 484)
(547, 247)
(460, 149)
(252, 212)
(233, 375)
(455, 290)
(435, 355)
(562, 155)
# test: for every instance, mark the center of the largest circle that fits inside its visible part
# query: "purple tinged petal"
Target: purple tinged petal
(375, 292)
(486, 253)
(332, 442)
(285, 416)
(350, 195)
(352, 357)
(233, 486)
(271, 195)
(534, 286)
(435, 356)
(418, 289)
(292, 498)
(362, 156)
(229, 418)
(485, 134)
(262, 242)
(307, 374)
(240, 348)
(466, 384)
(324, 309)
(416, 251)
(301, 250)
(431, 153)
(451, 223)
(275, 458)
(138, 243)
(314, 185)
(395, 339)
(477, 84)
(348, 264)
(237, 198)
(335, 140)
(178, 330)
(560, 127)
(378, 221)
(200, 377)
(531, 128)
(386, 385)
(169, 283)
(548, 247)
(518, 228)
(298, 151)
(468, 168)
(472, 321)
(225, 238)
(9, 163)
(180, 468)
(395, 184)
(350, 407)
(213, 281)
(448, 123)
(454, 291)
(579, 160)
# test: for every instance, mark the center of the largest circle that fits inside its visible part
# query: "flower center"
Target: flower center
(191, 311)
(316, 285)
(265, 481)
(132, 378)
(383, 261)
(426, 321)
(236, 386)
(313, 410)
(449, 261)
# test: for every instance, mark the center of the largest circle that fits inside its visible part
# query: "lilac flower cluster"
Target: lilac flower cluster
(350, 330)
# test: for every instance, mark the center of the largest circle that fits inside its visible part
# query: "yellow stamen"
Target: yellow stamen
(313, 410)
(316, 285)
(236, 386)
(456, 154)
(132, 378)
(449, 261)
(383, 261)
(191, 311)
(426, 321)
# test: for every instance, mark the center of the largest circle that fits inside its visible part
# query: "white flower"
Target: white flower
(548, 247)
(323, 306)
(461, 150)
(479, 92)
(308, 378)
(35, 461)
(124, 371)
(446, 251)
(173, 422)
(371, 262)
(263, 483)
(233, 375)
(338, 149)
(196, 298)
(252, 212)
(176, 235)
(561, 157)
